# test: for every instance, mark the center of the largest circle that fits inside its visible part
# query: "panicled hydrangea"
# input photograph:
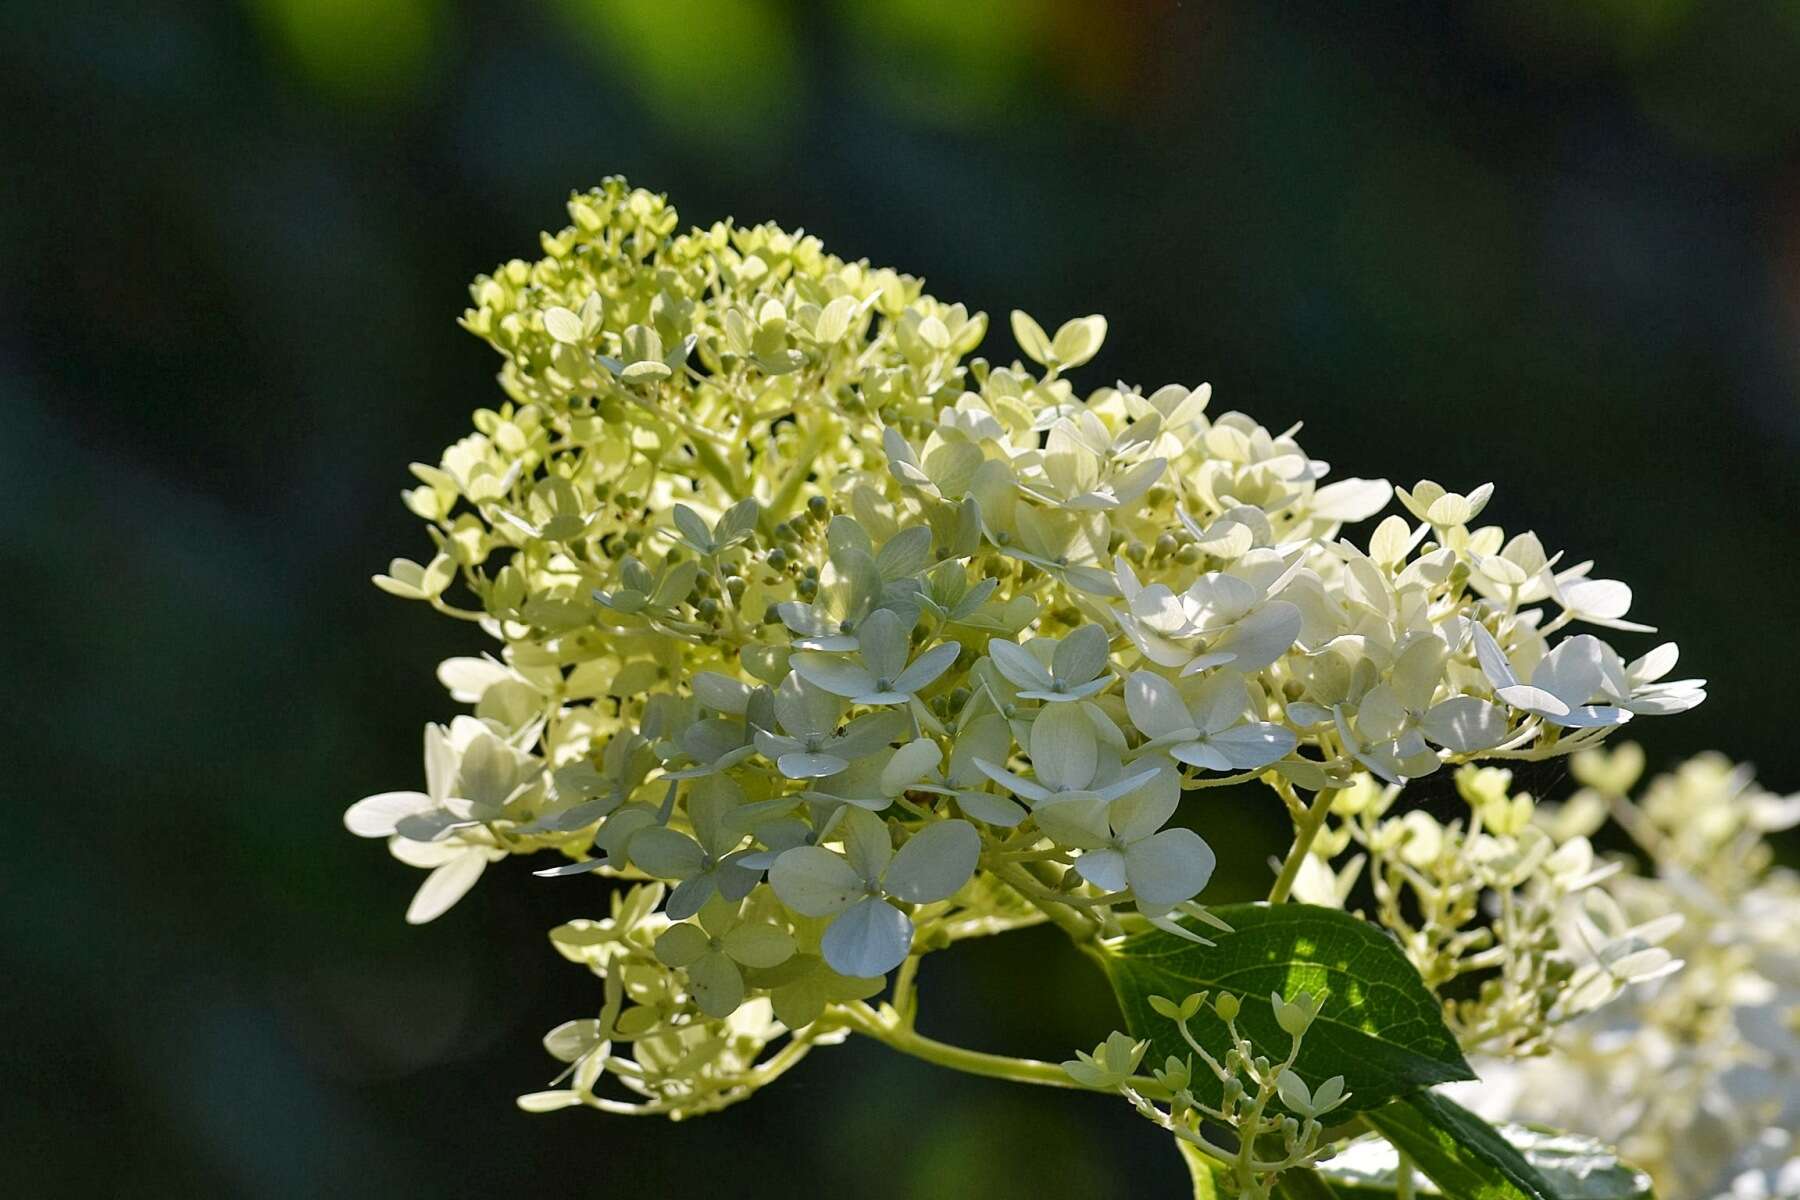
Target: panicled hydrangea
(1696, 1077)
(843, 645)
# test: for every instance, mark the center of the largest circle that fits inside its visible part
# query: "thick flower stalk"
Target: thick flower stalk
(845, 646)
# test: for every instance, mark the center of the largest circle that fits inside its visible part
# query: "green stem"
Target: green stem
(711, 462)
(1306, 830)
(822, 428)
(866, 1021)
(1068, 918)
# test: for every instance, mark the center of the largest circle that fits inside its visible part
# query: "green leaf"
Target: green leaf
(1470, 1160)
(1208, 1174)
(1378, 1027)
(1302, 1184)
(1572, 1166)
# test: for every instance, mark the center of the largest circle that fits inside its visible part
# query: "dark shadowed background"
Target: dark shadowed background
(1550, 243)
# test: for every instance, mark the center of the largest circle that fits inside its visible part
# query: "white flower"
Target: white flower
(810, 745)
(1122, 847)
(882, 676)
(985, 738)
(1396, 717)
(849, 586)
(1595, 601)
(1082, 466)
(868, 935)
(1229, 614)
(1180, 413)
(1429, 502)
(1566, 683)
(1068, 544)
(1310, 1103)
(706, 863)
(455, 865)
(438, 829)
(874, 780)
(1208, 727)
(1066, 762)
(1053, 671)
(1651, 697)
(712, 951)
(470, 777)
(1110, 1064)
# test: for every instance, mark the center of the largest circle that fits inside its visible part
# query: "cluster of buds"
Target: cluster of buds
(1262, 1105)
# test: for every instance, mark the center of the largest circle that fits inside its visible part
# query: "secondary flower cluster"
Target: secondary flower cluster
(856, 646)
(1495, 898)
(1696, 1077)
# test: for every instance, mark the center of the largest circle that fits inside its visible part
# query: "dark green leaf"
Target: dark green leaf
(1575, 1167)
(1302, 1184)
(1379, 1027)
(1464, 1155)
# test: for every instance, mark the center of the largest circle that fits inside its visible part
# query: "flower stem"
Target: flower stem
(1067, 917)
(1306, 829)
(891, 1033)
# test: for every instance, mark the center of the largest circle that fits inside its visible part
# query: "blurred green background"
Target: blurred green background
(1551, 243)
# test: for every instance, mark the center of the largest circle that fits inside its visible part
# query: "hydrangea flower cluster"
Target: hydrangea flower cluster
(845, 646)
(1696, 1078)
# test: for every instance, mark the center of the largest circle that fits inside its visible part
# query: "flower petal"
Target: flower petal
(1155, 705)
(376, 816)
(1465, 724)
(1145, 809)
(1020, 666)
(883, 637)
(445, 886)
(1170, 867)
(910, 763)
(1078, 821)
(814, 882)
(995, 810)
(681, 945)
(757, 944)
(867, 844)
(801, 765)
(869, 938)
(925, 670)
(717, 984)
(1080, 656)
(666, 854)
(839, 676)
(1064, 750)
(934, 863)
(1104, 868)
